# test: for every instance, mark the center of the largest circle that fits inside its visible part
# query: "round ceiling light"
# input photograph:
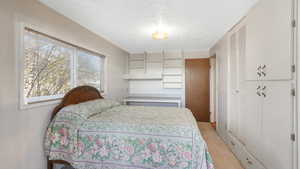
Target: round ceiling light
(160, 35)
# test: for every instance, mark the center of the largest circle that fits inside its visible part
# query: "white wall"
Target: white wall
(22, 131)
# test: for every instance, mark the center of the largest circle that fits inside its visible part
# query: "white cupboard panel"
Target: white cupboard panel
(172, 79)
(269, 38)
(172, 85)
(250, 117)
(136, 64)
(136, 71)
(233, 107)
(154, 57)
(137, 57)
(173, 71)
(173, 55)
(277, 125)
(173, 63)
(154, 67)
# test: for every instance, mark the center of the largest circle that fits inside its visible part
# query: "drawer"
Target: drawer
(248, 161)
(234, 145)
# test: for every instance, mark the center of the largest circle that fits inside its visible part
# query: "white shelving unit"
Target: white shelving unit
(173, 70)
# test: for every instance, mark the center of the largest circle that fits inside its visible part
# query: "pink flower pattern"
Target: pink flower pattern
(129, 149)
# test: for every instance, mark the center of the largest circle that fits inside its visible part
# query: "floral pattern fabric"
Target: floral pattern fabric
(128, 137)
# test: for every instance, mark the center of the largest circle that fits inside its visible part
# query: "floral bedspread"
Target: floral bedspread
(127, 137)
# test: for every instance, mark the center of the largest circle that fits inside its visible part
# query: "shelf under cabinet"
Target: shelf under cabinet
(143, 77)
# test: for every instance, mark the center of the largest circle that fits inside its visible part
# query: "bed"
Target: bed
(89, 132)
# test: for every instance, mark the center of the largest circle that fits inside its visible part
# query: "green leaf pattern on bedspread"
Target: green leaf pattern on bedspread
(128, 137)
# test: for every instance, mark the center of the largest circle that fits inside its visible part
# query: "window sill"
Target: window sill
(39, 104)
(42, 103)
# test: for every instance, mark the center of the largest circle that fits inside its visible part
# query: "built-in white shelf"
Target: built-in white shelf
(143, 76)
(165, 66)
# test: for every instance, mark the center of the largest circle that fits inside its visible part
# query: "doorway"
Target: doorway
(197, 88)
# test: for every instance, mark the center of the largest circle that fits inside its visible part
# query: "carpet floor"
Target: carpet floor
(222, 156)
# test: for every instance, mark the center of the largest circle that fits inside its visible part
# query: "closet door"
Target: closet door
(234, 111)
(251, 107)
(269, 39)
(241, 71)
(277, 125)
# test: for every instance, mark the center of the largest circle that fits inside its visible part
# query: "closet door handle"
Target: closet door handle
(258, 93)
(264, 94)
(259, 74)
(263, 73)
(259, 71)
(248, 161)
(259, 68)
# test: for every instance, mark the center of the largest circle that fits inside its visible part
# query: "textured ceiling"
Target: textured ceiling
(193, 25)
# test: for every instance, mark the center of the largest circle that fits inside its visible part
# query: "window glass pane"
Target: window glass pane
(89, 69)
(46, 66)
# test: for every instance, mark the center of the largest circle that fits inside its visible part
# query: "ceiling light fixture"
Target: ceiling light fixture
(160, 33)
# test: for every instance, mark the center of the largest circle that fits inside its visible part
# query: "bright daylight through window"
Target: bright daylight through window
(52, 67)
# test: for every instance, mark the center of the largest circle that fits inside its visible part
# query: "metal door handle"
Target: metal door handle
(258, 93)
(258, 68)
(264, 94)
(259, 74)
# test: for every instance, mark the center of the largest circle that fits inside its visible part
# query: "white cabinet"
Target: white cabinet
(266, 120)
(260, 117)
(237, 77)
(276, 114)
(234, 91)
(250, 117)
(269, 39)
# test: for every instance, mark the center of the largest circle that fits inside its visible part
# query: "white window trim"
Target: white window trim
(33, 102)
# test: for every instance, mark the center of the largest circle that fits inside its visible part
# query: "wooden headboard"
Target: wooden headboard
(77, 95)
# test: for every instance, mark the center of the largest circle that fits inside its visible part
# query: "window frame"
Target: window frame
(20, 57)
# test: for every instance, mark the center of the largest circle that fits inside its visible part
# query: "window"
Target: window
(89, 69)
(52, 67)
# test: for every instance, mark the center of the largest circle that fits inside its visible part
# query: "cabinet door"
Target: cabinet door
(277, 126)
(269, 39)
(233, 66)
(250, 118)
(241, 71)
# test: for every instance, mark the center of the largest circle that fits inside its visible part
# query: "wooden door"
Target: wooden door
(197, 88)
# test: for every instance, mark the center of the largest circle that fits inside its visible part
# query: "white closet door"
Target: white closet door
(251, 107)
(269, 38)
(277, 126)
(241, 70)
(234, 112)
